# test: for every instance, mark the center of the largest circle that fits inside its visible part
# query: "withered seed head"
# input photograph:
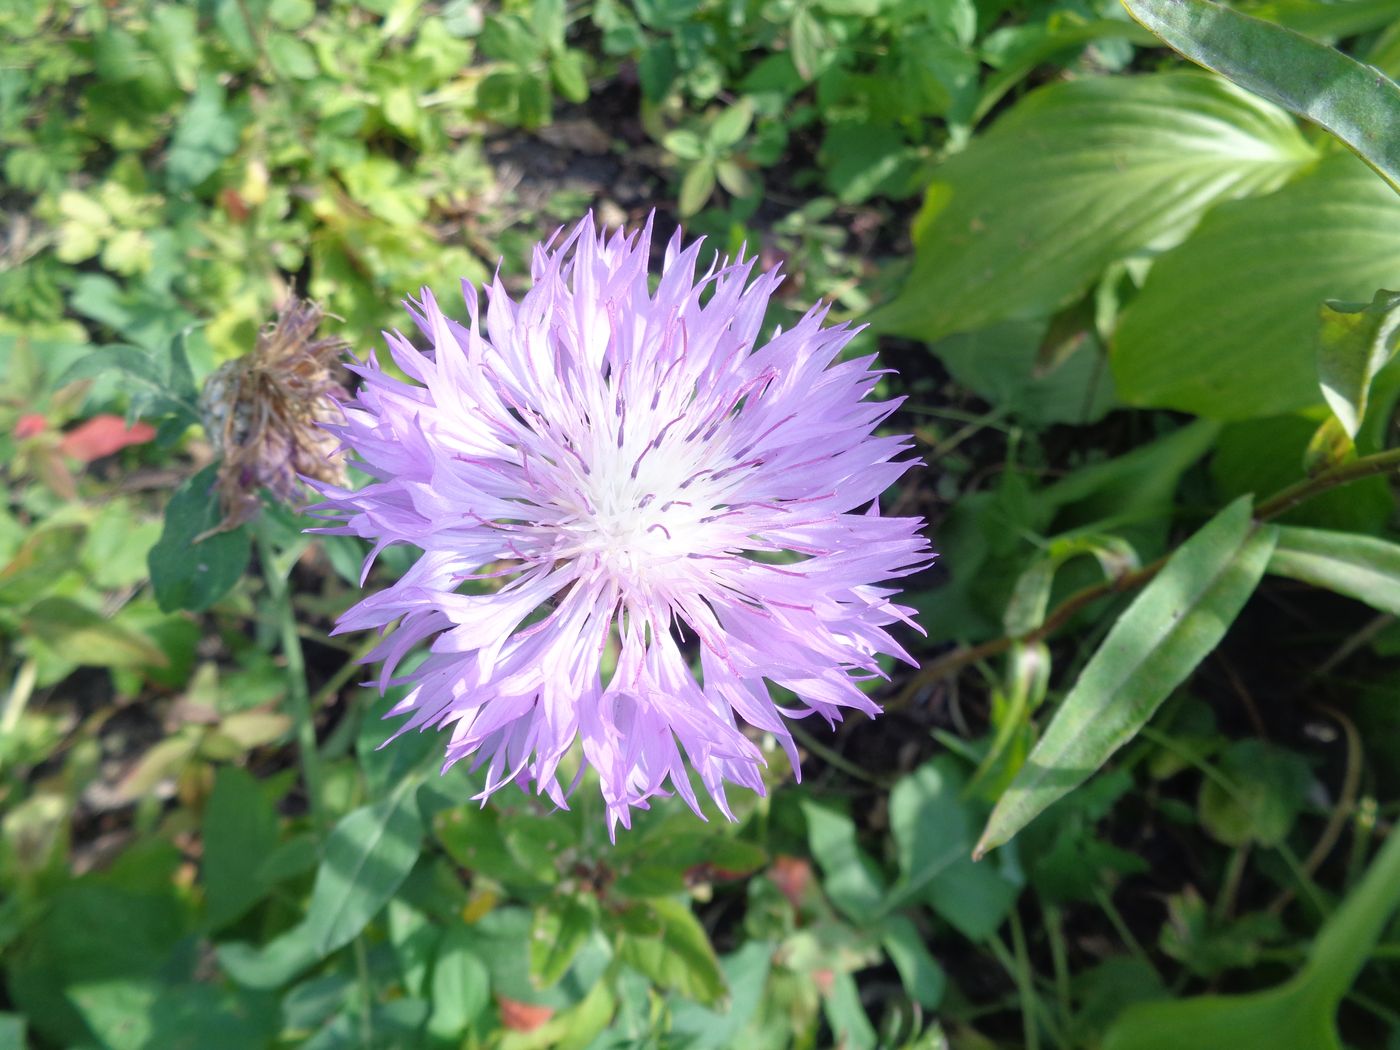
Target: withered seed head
(262, 413)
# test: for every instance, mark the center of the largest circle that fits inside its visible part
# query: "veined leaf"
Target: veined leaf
(367, 856)
(1225, 325)
(190, 575)
(1356, 102)
(1075, 176)
(1170, 627)
(1361, 567)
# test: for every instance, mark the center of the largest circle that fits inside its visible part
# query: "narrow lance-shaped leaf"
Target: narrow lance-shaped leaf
(1361, 567)
(1176, 621)
(1354, 343)
(1356, 102)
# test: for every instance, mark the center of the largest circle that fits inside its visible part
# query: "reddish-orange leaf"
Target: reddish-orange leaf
(522, 1017)
(102, 435)
(30, 425)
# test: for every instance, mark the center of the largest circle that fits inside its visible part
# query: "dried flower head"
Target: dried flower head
(638, 469)
(264, 411)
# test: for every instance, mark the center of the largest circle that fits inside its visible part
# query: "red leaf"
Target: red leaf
(792, 876)
(522, 1017)
(102, 435)
(30, 425)
(234, 204)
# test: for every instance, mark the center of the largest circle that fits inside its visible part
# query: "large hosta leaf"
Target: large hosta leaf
(1226, 324)
(1075, 176)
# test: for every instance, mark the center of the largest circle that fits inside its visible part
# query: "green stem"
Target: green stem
(21, 689)
(366, 992)
(298, 698)
(1017, 966)
(1346, 942)
(1276, 505)
(1059, 958)
(835, 759)
(1367, 466)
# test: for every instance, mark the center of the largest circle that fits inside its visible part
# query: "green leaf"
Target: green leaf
(240, 831)
(731, 126)
(143, 1014)
(484, 841)
(678, 956)
(1262, 456)
(569, 75)
(860, 159)
(746, 971)
(733, 178)
(1355, 342)
(152, 392)
(851, 879)
(461, 985)
(94, 931)
(84, 636)
(291, 57)
(1262, 1021)
(11, 1032)
(1004, 365)
(846, 1015)
(1361, 567)
(1299, 1013)
(1077, 175)
(1030, 600)
(1266, 788)
(923, 978)
(1171, 626)
(933, 828)
(1354, 101)
(190, 575)
(367, 856)
(1225, 325)
(684, 143)
(1063, 35)
(560, 929)
(40, 562)
(697, 186)
(204, 135)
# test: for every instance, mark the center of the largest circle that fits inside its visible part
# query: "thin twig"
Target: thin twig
(1341, 813)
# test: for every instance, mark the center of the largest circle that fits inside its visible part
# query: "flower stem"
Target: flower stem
(298, 698)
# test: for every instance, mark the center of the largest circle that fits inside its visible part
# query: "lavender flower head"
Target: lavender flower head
(629, 465)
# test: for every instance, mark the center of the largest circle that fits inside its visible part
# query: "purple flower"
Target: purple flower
(627, 466)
